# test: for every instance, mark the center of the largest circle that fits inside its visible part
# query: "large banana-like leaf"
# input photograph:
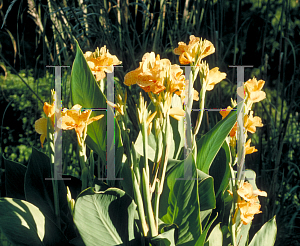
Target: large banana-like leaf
(210, 144)
(105, 217)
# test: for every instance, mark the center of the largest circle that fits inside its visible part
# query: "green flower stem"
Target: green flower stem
(82, 161)
(91, 168)
(200, 114)
(163, 168)
(156, 202)
(50, 137)
(139, 202)
(148, 205)
(134, 165)
(145, 179)
(145, 144)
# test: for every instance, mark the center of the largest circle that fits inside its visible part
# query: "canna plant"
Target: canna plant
(170, 187)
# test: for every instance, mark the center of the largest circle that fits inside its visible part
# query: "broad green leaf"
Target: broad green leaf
(216, 237)
(105, 217)
(243, 235)
(183, 207)
(266, 235)
(220, 169)
(24, 224)
(139, 146)
(206, 191)
(210, 144)
(164, 239)
(14, 179)
(39, 191)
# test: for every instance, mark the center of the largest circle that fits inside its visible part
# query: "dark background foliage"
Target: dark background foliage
(36, 33)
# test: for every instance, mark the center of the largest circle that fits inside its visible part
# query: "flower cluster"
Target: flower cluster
(248, 202)
(195, 51)
(101, 62)
(75, 119)
(254, 94)
(160, 77)
(70, 119)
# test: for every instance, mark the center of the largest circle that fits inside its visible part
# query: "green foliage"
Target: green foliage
(265, 34)
(110, 211)
(266, 235)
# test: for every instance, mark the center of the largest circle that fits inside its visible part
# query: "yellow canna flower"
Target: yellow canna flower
(101, 62)
(207, 48)
(249, 204)
(75, 119)
(213, 77)
(177, 80)
(150, 75)
(187, 53)
(41, 124)
(41, 128)
(248, 210)
(254, 90)
(248, 194)
(251, 122)
(248, 149)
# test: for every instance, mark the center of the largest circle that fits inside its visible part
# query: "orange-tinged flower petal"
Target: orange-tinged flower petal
(95, 118)
(248, 149)
(254, 90)
(41, 128)
(185, 58)
(225, 112)
(249, 206)
(251, 122)
(248, 210)
(49, 109)
(230, 193)
(195, 95)
(150, 118)
(208, 49)
(214, 77)
(260, 193)
(247, 193)
(100, 75)
(176, 113)
(180, 49)
(88, 55)
(233, 130)
(149, 128)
